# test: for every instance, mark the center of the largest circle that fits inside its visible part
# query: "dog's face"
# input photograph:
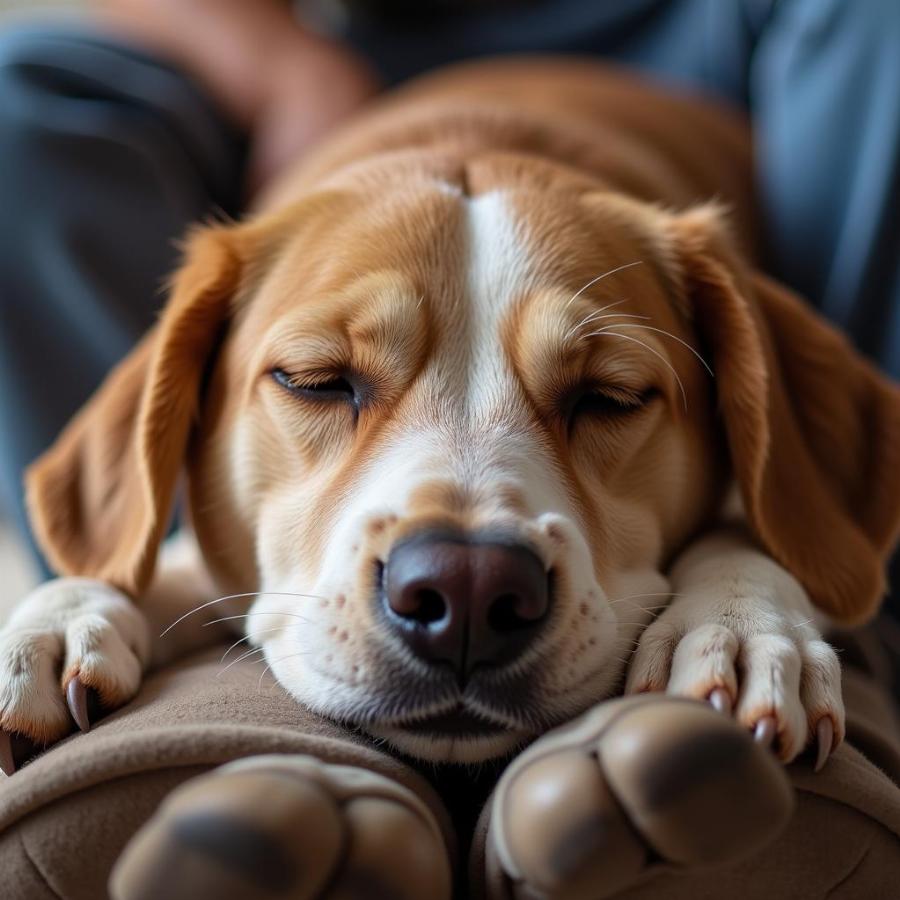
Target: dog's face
(458, 440)
(452, 438)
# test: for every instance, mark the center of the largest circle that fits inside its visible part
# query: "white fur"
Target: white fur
(68, 626)
(741, 622)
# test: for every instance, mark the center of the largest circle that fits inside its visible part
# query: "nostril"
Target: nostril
(429, 607)
(503, 614)
(510, 612)
(415, 602)
(523, 607)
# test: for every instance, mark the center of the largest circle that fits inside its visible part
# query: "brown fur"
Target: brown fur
(596, 165)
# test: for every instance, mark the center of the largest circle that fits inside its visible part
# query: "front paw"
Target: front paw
(70, 645)
(591, 808)
(764, 664)
(287, 826)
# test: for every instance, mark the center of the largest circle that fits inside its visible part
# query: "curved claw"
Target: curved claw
(7, 760)
(15, 750)
(720, 701)
(765, 731)
(825, 739)
(77, 701)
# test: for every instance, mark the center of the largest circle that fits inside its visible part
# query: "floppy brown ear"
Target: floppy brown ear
(100, 499)
(813, 429)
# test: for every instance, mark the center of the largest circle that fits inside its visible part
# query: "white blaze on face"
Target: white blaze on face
(481, 437)
(498, 273)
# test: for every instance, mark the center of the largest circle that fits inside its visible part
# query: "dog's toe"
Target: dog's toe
(564, 833)
(587, 809)
(72, 649)
(7, 760)
(227, 837)
(778, 684)
(79, 699)
(286, 826)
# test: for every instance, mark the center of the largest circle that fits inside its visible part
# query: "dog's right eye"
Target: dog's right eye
(607, 403)
(337, 388)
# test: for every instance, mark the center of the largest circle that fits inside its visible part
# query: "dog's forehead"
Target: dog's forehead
(479, 272)
(413, 233)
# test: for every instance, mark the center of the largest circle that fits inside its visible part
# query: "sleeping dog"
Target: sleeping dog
(486, 414)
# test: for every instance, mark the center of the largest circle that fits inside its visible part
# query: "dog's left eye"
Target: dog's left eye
(606, 402)
(338, 388)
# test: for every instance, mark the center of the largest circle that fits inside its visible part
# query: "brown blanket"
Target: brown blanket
(66, 816)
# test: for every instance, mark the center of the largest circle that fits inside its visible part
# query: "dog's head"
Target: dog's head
(454, 436)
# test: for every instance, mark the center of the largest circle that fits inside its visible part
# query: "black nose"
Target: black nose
(465, 602)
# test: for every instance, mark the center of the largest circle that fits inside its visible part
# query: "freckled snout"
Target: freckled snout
(465, 603)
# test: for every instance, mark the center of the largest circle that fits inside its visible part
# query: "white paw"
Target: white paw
(70, 636)
(754, 653)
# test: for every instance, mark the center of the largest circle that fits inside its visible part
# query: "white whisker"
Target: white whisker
(246, 637)
(636, 596)
(209, 603)
(667, 334)
(596, 317)
(646, 609)
(247, 616)
(234, 662)
(593, 281)
(274, 662)
(239, 641)
(608, 331)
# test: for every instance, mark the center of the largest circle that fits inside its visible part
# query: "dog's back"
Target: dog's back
(574, 114)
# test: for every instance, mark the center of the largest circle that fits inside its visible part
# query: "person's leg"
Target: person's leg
(704, 44)
(824, 97)
(824, 94)
(106, 156)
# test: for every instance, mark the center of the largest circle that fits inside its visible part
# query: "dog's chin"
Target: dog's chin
(452, 749)
(457, 736)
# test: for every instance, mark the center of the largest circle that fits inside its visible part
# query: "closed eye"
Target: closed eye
(606, 402)
(330, 389)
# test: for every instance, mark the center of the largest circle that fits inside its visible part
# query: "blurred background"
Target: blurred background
(17, 574)
(30, 5)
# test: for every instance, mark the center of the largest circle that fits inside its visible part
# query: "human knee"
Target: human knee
(32, 65)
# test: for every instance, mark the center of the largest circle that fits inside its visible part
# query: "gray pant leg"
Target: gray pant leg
(704, 44)
(826, 103)
(105, 158)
